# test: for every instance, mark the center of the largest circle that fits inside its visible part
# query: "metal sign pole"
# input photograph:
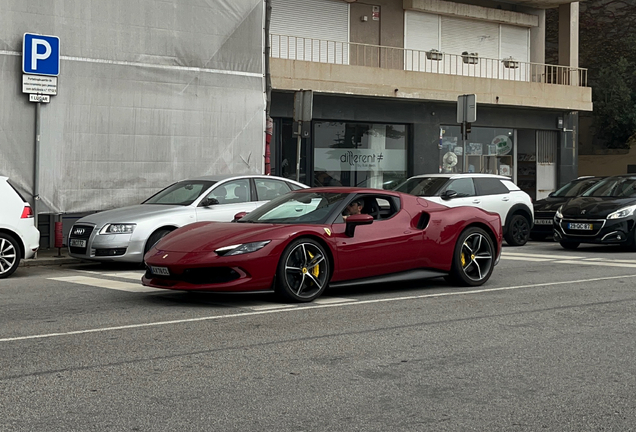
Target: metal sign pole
(298, 145)
(36, 168)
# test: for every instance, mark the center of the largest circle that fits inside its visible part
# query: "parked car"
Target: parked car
(545, 209)
(126, 234)
(19, 238)
(490, 192)
(299, 243)
(603, 214)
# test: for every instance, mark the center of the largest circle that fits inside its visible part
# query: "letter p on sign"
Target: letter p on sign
(40, 54)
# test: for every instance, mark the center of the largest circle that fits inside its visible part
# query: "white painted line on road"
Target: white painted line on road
(258, 306)
(332, 300)
(302, 308)
(599, 263)
(105, 283)
(126, 275)
(521, 254)
(611, 260)
(517, 258)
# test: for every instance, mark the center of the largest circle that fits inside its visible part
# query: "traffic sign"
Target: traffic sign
(34, 84)
(40, 54)
(466, 108)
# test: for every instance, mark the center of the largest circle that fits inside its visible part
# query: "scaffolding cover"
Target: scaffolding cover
(149, 92)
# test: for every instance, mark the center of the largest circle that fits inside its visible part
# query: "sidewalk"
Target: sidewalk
(49, 257)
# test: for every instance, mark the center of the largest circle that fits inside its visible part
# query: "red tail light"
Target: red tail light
(27, 212)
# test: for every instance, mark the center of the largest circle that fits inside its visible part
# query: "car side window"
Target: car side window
(268, 189)
(380, 207)
(463, 186)
(235, 191)
(490, 186)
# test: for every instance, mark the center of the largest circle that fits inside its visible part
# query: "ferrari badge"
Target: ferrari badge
(328, 231)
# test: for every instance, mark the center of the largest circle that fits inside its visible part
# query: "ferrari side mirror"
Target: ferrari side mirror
(239, 216)
(355, 220)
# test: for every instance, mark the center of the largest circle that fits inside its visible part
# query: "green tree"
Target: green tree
(614, 96)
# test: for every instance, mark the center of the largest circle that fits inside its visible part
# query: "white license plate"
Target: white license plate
(160, 271)
(580, 226)
(543, 221)
(78, 243)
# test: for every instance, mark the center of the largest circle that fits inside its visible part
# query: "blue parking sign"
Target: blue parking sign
(40, 54)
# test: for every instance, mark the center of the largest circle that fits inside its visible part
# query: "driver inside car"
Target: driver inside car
(353, 208)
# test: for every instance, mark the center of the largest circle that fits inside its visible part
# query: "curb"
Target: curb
(48, 262)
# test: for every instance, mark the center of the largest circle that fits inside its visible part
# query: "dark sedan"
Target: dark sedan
(545, 209)
(604, 214)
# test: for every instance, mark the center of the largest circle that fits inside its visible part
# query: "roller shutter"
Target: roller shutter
(421, 34)
(311, 30)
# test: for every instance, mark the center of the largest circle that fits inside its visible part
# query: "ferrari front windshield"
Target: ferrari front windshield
(180, 193)
(297, 208)
(422, 186)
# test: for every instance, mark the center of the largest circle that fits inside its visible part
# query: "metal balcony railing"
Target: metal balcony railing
(466, 64)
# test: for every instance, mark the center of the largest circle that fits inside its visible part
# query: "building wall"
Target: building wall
(149, 92)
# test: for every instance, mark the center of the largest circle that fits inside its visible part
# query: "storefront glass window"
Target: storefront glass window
(487, 150)
(359, 154)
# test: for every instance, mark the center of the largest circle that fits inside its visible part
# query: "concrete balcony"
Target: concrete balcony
(368, 70)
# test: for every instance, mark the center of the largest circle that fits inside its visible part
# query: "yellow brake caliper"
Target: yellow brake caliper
(316, 270)
(463, 260)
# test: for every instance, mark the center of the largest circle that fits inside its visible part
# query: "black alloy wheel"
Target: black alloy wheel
(473, 258)
(154, 239)
(303, 271)
(518, 231)
(9, 255)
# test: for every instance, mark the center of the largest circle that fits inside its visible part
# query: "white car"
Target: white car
(126, 234)
(494, 193)
(19, 238)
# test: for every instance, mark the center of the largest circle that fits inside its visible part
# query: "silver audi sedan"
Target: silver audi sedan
(126, 234)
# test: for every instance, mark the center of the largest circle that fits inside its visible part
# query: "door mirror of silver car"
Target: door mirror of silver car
(355, 220)
(448, 194)
(206, 202)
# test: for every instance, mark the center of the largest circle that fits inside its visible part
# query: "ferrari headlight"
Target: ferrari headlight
(624, 212)
(558, 214)
(118, 229)
(241, 248)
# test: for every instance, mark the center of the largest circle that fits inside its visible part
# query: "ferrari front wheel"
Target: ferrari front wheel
(303, 271)
(473, 258)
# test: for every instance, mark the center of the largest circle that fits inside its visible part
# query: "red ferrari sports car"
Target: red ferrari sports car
(299, 243)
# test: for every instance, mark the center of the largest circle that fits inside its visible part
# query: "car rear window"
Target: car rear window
(16, 191)
(490, 186)
(510, 185)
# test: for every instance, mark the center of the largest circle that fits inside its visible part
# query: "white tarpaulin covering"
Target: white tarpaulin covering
(149, 92)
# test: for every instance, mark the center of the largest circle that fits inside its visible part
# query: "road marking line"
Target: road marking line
(517, 258)
(302, 308)
(332, 300)
(258, 306)
(126, 275)
(105, 283)
(611, 260)
(598, 263)
(520, 254)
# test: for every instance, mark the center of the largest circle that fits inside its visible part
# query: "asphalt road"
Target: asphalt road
(546, 344)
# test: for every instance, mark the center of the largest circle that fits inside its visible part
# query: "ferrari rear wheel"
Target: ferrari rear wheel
(473, 259)
(303, 271)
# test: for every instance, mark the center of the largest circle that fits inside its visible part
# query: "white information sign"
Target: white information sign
(39, 98)
(38, 84)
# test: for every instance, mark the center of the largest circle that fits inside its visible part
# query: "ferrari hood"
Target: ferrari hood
(550, 204)
(131, 214)
(594, 207)
(209, 236)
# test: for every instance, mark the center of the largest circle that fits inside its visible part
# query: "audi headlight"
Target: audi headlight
(624, 212)
(558, 214)
(118, 229)
(240, 249)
